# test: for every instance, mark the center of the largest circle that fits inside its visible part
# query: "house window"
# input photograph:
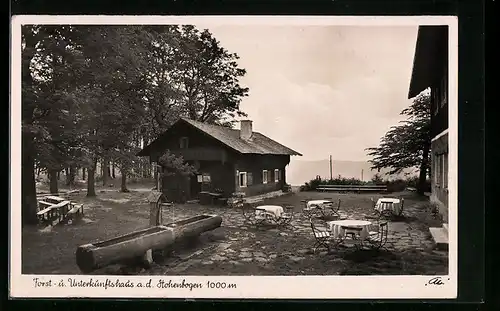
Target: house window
(183, 142)
(435, 100)
(206, 178)
(441, 170)
(249, 179)
(444, 91)
(265, 176)
(437, 169)
(242, 179)
(276, 175)
(445, 171)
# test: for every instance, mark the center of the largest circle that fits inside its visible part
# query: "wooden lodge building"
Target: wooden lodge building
(430, 70)
(227, 160)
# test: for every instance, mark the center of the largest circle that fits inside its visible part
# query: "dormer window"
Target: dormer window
(183, 142)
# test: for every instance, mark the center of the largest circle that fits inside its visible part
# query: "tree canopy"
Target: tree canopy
(407, 144)
(99, 93)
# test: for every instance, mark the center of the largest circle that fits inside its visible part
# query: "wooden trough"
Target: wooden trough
(90, 257)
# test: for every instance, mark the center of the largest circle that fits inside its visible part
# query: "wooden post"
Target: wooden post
(155, 199)
(331, 169)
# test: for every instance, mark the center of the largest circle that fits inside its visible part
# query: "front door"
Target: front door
(195, 181)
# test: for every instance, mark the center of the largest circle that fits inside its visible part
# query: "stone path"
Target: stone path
(280, 251)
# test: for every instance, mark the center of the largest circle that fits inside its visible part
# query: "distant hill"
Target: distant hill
(300, 171)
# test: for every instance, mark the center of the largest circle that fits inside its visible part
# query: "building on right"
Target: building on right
(430, 70)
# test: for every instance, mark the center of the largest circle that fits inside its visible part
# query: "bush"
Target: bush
(377, 180)
(313, 184)
(413, 182)
(397, 185)
(287, 188)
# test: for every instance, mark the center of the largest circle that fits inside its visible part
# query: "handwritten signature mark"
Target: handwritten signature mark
(437, 281)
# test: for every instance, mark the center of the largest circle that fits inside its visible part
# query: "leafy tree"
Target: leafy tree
(407, 145)
(175, 166)
(46, 52)
(209, 77)
(108, 94)
(95, 93)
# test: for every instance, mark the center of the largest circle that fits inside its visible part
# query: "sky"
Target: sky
(323, 90)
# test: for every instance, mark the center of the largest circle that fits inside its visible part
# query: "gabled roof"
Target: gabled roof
(430, 39)
(257, 144)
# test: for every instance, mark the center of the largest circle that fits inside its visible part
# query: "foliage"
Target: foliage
(377, 180)
(403, 145)
(396, 185)
(175, 166)
(94, 93)
(407, 145)
(313, 184)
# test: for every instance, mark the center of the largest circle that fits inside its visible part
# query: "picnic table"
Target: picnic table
(55, 209)
(54, 199)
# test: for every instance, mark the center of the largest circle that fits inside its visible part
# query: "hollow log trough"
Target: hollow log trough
(137, 244)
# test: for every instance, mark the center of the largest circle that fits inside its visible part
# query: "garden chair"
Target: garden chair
(251, 217)
(376, 213)
(236, 203)
(402, 200)
(378, 237)
(323, 238)
(353, 235)
(333, 209)
(386, 214)
(308, 213)
(287, 215)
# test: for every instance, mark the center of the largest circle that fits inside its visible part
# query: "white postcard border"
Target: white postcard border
(279, 287)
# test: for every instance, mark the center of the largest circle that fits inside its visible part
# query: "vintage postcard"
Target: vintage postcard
(234, 157)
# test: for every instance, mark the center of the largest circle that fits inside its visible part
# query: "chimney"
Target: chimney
(245, 129)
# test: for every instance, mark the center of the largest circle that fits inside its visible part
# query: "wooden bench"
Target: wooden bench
(44, 204)
(44, 214)
(355, 188)
(54, 213)
(75, 211)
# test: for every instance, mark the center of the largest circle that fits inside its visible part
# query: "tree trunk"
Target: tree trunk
(109, 170)
(113, 170)
(155, 170)
(422, 178)
(123, 187)
(53, 181)
(105, 172)
(70, 178)
(83, 173)
(91, 180)
(58, 175)
(28, 186)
